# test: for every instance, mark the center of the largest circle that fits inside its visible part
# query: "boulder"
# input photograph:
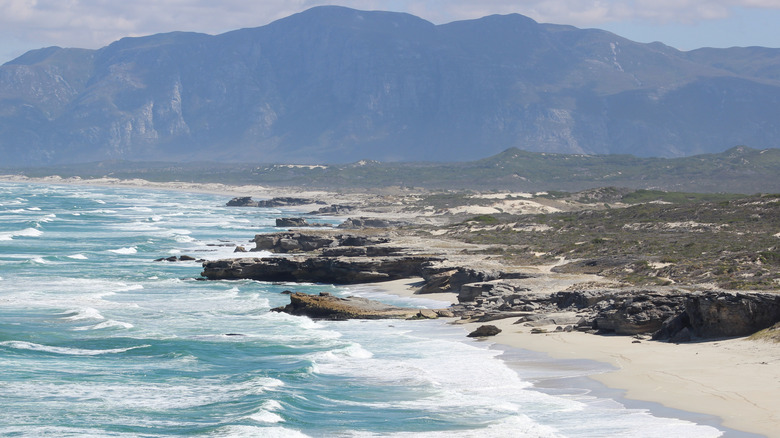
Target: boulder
(484, 331)
(243, 201)
(291, 222)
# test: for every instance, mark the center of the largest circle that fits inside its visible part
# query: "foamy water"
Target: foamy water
(97, 339)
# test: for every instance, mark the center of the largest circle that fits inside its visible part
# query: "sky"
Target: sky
(91, 24)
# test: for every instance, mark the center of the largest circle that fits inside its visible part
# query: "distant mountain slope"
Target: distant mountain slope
(333, 84)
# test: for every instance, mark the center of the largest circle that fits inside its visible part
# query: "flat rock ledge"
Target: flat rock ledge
(327, 306)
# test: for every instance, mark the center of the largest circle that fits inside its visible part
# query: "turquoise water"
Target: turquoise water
(97, 339)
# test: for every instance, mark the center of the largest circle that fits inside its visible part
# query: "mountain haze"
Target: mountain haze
(333, 84)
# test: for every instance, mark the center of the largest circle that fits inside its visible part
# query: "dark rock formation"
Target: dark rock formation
(306, 242)
(484, 330)
(484, 295)
(443, 277)
(367, 222)
(715, 314)
(332, 270)
(363, 251)
(638, 311)
(245, 201)
(182, 258)
(291, 222)
(722, 314)
(327, 306)
(334, 209)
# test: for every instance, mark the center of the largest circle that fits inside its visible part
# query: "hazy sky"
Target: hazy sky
(684, 24)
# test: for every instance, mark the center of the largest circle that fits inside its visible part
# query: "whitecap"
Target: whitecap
(263, 416)
(28, 232)
(107, 324)
(100, 201)
(126, 288)
(38, 260)
(85, 313)
(33, 209)
(23, 345)
(78, 257)
(126, 250)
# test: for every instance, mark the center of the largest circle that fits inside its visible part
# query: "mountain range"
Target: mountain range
(336, 85)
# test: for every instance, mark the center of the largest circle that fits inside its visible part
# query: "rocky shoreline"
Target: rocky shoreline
(487, 291)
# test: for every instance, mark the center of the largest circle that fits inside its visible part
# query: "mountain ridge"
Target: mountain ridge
(333, 84)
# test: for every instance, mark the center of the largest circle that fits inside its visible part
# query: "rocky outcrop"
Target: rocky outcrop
(307, 242)
(665, 313)
(181, 258)
(367, 222)
(332, 270)
(489, 294)
(243, 201)
(715, 314)
(718, 314)
(327, 306)
(445, 277)
(285, 201)
(291, 222)
(637, 311)
(335, 209)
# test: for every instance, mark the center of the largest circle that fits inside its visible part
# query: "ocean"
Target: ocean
(99, 340)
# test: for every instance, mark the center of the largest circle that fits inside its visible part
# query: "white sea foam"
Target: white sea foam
(27, 232)
(122, 287)
(264, 416)
(125, 251)
(22, 345)
(33, 208)
(84, 313)
(77, 257)
(38, 260)
(107, 325)
(253, 432)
